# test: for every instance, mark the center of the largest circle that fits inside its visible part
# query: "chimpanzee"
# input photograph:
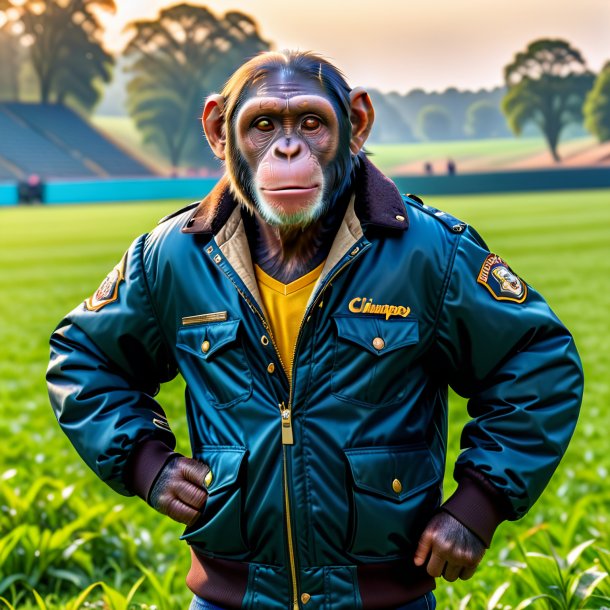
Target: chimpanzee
(318, 317)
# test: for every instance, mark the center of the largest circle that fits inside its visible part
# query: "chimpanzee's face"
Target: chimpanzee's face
(290, 138)
(287, 133)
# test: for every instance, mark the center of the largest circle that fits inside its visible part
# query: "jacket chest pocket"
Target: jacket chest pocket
(214, 353)
(395, 491)
(371, 357)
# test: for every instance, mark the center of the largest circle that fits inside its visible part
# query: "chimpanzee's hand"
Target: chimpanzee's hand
(179, 491)
(455, 552)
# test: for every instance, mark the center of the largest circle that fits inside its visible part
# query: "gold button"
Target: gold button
(305, 597)
(205, 347)
(217, 258)
(397, 486)
(378, 343)
(210, 250)
(271, 368)
(265, 340)
(354, 251)
(399, 217)
(208, 479)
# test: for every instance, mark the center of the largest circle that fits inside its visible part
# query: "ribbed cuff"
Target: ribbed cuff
(478, 510)
(145, 464)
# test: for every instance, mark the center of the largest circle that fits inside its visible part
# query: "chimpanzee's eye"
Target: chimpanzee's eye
(310, 123)
(263, 125)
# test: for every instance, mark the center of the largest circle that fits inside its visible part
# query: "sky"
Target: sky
(399, 45)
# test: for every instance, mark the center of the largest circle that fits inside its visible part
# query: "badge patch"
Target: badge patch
(503, 284)
(108, 292)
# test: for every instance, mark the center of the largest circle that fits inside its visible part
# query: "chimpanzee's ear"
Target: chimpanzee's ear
(213, 120)
(362, 116)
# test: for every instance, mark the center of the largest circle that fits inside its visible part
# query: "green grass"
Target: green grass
(62, 530)
(496, 151)
(491, 154)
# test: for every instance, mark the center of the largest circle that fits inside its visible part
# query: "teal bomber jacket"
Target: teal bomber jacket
(321, 484)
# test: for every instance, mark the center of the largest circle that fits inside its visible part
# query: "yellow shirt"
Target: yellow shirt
(285, 305)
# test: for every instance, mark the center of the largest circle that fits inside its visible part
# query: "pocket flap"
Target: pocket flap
(224, 462)
(376, 335)
(206, 339)
(396, 473)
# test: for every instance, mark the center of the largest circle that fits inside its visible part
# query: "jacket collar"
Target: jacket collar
(378, 204)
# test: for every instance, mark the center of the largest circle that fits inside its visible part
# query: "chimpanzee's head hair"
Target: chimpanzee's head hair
(302, 65)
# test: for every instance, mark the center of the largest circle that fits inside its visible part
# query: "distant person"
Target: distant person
(451, 168)
(428, 169)
(30, 191)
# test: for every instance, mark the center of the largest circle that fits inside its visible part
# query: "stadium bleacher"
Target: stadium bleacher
(52, 141)
(6, 173)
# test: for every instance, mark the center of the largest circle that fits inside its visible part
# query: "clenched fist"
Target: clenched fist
(454, 551)
(179, 491)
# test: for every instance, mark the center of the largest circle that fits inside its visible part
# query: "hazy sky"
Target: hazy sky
(402, 44)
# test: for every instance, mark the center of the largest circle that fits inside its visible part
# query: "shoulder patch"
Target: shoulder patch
(451, 222)
(499, 279)
(186, 208)
(108, 292)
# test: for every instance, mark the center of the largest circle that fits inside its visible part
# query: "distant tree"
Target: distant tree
(65, 48)
(178, 59)
(389, 126)
(434, 123)
(455, 102)
(484, 120)
(597, 106)
(547, 84)
(11, 53)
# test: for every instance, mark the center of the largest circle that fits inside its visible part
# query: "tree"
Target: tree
(484, 120)
(546, 86)
(11, 53)
(434, 123)
(180, 58)
(65, 48)
(389, 126)
(597, 106)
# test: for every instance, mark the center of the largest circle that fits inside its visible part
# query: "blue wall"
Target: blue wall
(192, 189)
(506, 182)
(120, 189)
(8, 193)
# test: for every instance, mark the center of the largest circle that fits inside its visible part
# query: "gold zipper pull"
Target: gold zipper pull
(287, 437)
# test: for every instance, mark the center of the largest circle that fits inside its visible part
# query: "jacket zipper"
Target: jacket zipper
(291, 553)
(287, 436)
(286, 412)
(287, 439)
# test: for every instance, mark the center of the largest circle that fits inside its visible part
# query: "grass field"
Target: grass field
(62, 531)
(497, 151)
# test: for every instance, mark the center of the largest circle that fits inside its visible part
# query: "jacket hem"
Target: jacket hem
(381, 585)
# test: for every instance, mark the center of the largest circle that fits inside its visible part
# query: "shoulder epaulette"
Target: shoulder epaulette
(186, 208)
(451, 222)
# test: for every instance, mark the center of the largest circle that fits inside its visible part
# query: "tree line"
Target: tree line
(52, 52)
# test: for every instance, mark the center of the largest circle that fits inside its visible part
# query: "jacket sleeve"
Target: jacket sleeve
(507, 352)
(108, 359)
